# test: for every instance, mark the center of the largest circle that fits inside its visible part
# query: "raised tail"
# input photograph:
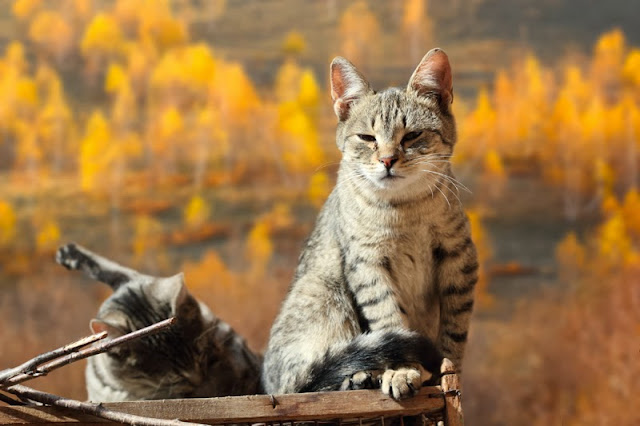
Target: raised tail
(374, 351)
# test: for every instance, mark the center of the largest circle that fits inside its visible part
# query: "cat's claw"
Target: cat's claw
(361, 380)
(401, 383)
(68, 256)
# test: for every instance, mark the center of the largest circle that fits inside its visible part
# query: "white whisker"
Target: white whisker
(445, 197)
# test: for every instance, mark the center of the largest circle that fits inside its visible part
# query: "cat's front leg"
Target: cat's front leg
(456, 265)
(75, 257)
(370, 282)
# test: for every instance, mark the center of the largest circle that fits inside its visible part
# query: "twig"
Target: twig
(10, 401)
(94, 409)
(29, 366)
(87, 352)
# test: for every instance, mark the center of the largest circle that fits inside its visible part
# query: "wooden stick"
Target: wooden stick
(451, 389)
(30, 366)
(310, 407)
(87, 352)
(97, 410)
(10, 401)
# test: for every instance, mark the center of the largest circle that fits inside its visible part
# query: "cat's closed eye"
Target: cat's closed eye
(411, 136)
(367, 138)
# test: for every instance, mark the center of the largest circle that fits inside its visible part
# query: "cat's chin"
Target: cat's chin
(391, 182)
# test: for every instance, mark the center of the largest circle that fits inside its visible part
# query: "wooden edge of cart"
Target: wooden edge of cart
(431, 406)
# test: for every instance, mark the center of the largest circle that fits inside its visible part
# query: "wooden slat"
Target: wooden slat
(453, 403)
(250, 408)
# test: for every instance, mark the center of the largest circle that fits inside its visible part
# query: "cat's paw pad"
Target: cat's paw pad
(361, 380)
(401, 383)
(69, 256)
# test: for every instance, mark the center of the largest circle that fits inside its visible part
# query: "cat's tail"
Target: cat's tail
(373, 351)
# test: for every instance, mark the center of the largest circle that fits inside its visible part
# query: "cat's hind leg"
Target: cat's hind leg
(75, 257)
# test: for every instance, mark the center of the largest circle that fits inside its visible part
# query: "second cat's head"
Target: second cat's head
(164, 364)
(398, 137)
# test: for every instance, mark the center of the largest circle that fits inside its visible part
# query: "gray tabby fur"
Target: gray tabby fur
(200, 356)
(389, 269)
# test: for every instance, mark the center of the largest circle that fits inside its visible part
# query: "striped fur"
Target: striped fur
(200, 356)
(391, 250)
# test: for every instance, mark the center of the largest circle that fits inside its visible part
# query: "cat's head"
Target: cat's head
(395, 138)
(164, 364)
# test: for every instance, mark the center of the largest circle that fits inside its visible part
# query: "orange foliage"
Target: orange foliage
(580, 115)
(319, 188)
(23, 9)
(52, 33)
(7, 223)
(48, 237)
(294, 43)
(196, 212)
(357, 45)
(102, 37)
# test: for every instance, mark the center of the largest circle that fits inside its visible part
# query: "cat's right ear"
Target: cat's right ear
(111, 326)
(347, 86)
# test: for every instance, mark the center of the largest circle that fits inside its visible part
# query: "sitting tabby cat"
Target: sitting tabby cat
(199, 356)
(384, 285)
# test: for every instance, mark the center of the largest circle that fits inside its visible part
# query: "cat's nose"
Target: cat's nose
(389, 161)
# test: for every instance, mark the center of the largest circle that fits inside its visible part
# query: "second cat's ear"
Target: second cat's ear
(172, 290)
(433, 77)
(114, 324)
(347, 86)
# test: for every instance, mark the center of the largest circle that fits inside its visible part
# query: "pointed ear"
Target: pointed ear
(433, 76)
(171, 290)
(347, 86)
(114, 325)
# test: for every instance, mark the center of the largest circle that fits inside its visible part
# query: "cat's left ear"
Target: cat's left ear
(347, 86)
(173, 290)
(433, 77)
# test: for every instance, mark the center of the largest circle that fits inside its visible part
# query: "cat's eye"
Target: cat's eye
(410, 136)
(367, 138)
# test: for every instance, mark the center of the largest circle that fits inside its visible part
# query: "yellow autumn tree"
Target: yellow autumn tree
(8, 222)
(319, 188)
(299, 137)
(608, 61)
(55, 124)
(477, 132)
(23, 9)
(156, 22)
(101, 42)
(417, 28)
(196, 212)
(184, 72)
(97, 153)
(294, 43)
(287, 80)
(234, 93)
(51, 32)
(361, 47)
(48, 236)
(259, 247)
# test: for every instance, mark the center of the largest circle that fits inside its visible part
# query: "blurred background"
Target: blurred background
(198, 136)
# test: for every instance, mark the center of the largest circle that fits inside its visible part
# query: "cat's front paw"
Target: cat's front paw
(69, 256)
(362, 380)
(401, 383)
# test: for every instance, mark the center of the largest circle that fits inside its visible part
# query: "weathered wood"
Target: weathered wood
(451, 388)
(93, 409)
(240, 409)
